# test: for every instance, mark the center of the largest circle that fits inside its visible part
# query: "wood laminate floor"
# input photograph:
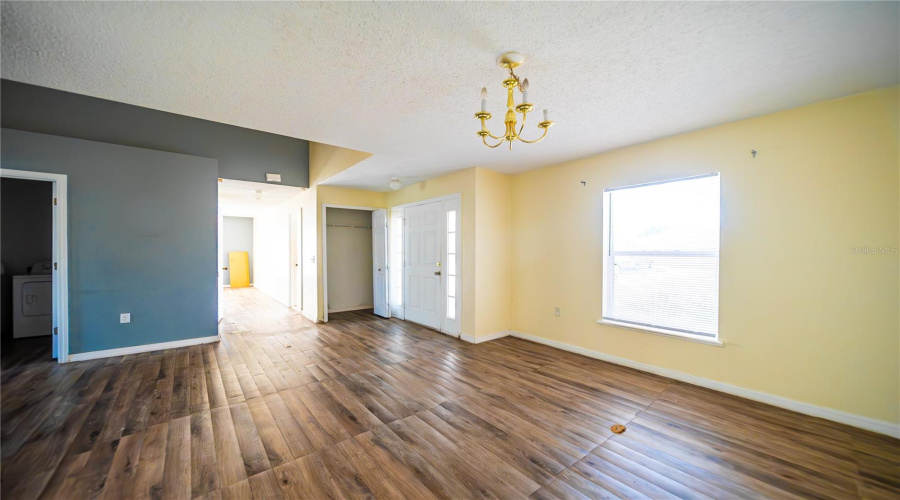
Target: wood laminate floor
(367, 407)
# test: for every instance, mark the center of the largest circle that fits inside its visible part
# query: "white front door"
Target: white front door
(423, 251)
(379, 263)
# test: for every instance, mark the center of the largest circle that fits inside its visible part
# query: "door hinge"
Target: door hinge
(55, 266)
(54, 201)
(55, 331)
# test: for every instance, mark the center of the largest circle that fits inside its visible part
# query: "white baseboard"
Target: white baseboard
(484, 338)
(871, 424)
(348, 309)
(122, 351)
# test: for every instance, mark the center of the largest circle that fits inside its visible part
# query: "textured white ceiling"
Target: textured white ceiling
(401, 80)
(249, 199)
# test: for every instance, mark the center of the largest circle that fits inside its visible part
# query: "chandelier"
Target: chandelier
(509, 61)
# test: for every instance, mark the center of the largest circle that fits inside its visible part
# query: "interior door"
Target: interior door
(423, 248)
(379, 263)
(297, 260)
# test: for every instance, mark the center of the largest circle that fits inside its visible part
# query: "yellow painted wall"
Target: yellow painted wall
(326, 161)
(493, 252)
(801, 315)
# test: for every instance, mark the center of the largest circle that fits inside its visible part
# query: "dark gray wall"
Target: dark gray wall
(243, 154)
(142, 238)
(26, 235)
(237, 236)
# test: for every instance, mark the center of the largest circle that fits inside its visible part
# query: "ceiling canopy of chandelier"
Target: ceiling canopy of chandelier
(509, 61)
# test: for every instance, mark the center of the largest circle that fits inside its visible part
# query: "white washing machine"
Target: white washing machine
(33, 302)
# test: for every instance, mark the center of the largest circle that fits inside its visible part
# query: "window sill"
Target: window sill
(664, 333)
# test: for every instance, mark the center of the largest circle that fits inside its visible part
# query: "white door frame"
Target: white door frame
(459, 253)
(324, 256)
(220, 260)
(60, 253)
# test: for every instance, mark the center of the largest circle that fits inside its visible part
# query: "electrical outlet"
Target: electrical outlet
(556, 312)
(125, 318)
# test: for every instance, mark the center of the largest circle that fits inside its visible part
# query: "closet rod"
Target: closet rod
(347, 225)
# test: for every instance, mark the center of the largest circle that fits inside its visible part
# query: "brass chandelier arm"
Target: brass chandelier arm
(484, 140)
(539, 139)
(524, 115)
(484, 125)
(490, 134)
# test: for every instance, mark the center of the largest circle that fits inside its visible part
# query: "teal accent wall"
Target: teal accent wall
(142, 238)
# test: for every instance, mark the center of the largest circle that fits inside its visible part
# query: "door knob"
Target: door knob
(437, 273)
(224, 268)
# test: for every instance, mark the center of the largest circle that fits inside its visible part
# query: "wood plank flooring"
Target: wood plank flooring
(367, 407)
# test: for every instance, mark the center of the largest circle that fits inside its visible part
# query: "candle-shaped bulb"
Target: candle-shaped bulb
(546, 116)
(483, 92)
(483, 99)
(525, 90)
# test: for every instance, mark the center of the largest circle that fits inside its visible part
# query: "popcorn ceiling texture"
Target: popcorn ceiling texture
(402, 80)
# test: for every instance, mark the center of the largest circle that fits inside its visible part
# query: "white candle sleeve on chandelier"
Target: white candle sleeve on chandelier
(483, 99)
(546, 116)
(525, 97)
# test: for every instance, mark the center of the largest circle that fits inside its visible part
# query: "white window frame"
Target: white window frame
(395, 262)
(609, 275)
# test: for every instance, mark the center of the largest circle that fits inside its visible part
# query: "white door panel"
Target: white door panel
(424, 248)
(379, 263)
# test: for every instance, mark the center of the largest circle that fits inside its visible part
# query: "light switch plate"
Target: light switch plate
(125, 318)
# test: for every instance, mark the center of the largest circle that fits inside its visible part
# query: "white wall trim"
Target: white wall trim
(60, 252)
(871, 424)
(484, 338)
(122, 351)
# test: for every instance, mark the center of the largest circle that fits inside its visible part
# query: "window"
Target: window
(451, 264)
(396, 263)
(661, 257)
